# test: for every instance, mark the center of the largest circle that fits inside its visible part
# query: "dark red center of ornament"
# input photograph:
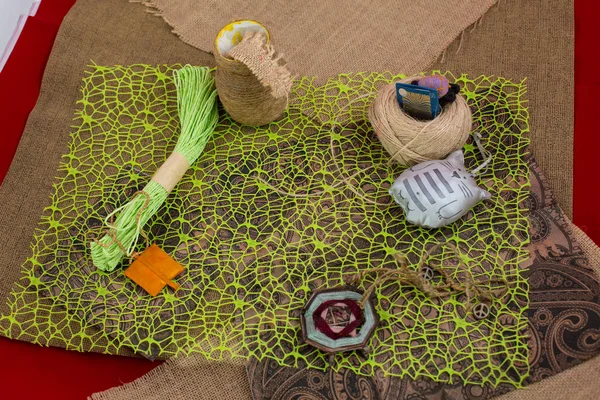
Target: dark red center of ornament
(339, 313)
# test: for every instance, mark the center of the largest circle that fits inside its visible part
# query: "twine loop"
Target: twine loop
(111, 231)
(472, 288)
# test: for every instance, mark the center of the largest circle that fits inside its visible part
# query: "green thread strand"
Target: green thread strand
(253, 255)
(197, 107)
(198, 113)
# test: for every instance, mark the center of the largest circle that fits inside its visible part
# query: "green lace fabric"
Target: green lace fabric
(267, 215)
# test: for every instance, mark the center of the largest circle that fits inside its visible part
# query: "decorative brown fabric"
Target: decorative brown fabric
(325, 38)
(580, 382)
(530, 39)
(564, 317)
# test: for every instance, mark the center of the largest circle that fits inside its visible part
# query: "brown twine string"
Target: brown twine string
(449, 286)
(344, 179)
(243, 95)
(314, 194)
(111, 232)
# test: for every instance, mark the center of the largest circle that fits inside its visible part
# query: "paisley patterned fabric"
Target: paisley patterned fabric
(269, 380)
(564, 324)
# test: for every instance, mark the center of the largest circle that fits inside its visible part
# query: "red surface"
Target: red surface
(29, 371)
(32, 372)
(586, 180)
(21, 77)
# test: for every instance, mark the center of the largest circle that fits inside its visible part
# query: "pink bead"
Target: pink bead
(437, 82)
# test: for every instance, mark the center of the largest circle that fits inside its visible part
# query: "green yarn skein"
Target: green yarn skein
(198, 113)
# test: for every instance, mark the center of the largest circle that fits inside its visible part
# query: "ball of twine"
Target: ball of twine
(243, 95)
(410, 141)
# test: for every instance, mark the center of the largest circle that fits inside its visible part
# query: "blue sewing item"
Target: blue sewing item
(417, 101)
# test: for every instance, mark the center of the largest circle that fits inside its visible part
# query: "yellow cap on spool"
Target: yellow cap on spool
(233, 33)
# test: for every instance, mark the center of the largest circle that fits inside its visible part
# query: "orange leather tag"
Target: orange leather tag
(153, 270)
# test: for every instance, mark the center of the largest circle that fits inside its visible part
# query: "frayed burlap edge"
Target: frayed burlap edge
(268, 67)
(192, 377)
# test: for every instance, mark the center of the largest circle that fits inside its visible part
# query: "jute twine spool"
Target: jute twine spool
(246, 99)
(410, 141)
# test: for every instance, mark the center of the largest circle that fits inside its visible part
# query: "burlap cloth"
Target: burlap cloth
(530, 39)
(185, 378)
(526, 38)
(325, 38)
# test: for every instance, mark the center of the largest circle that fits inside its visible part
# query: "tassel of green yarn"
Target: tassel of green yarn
(197, 106)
